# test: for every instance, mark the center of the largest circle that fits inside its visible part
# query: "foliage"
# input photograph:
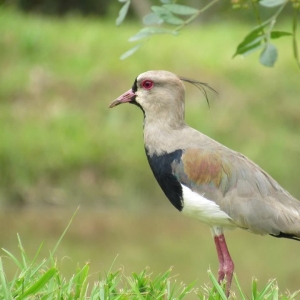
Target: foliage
(259, 38)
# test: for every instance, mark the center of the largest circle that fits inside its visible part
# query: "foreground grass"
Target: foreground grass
(36, 279)
(42, 279)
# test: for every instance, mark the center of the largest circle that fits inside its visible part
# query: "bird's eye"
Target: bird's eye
(147, 84)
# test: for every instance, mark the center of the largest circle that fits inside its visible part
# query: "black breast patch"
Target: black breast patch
(161, 166)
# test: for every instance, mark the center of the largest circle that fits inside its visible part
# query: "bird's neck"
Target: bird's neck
(161, 135)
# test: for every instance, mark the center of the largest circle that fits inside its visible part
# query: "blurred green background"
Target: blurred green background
(60, 145)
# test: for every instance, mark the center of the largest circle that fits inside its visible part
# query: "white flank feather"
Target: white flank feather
(204, 210)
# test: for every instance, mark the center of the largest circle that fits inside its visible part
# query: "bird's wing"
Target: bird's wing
(246, 193)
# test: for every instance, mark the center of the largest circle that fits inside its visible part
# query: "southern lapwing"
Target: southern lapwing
(204, 179)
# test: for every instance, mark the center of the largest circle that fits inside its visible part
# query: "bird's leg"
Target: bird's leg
(226, 265)
(221, 273)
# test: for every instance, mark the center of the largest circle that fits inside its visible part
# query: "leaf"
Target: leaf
(147, 31)
(173, 20)
(166, 15)
(181, 9)
(252, 48)
(252, 40)
(278, 34)
(161, 12)
(272, 3)
(295, 42)
(122, 13)
(256, 33)
(152, 19)
(130, 52)
(269, 56)
(140, 35)
(166, 1)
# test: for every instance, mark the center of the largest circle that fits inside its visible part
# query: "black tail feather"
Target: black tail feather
(287, 236)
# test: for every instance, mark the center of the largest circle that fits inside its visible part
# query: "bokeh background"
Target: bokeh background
(61, 147)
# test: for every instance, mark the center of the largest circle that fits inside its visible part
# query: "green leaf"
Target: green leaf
(160, 10)
(152, 19)
(130, 51)
(166, 15)
(278, 34)
(249, 48)
(269, 56)
(250, 42)
(181, 9)
(173, 20)
(140, 35)
(295, 42)
(122, 13)
(166, 1)
(147, 31)
(272, 3)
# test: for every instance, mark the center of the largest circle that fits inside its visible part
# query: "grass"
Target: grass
(42, 279)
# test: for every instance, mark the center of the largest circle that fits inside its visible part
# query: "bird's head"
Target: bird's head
(160, 94)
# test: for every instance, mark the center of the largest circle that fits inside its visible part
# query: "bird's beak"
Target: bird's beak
(126, 97)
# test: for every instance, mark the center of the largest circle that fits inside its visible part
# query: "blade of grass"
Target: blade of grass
(38, 285)
(239, 287)
(216, 285)
(265, 290)
(23, 254)
(63, 234)
(4, 285)
(15, 260)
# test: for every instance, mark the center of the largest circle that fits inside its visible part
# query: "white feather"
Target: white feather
(204, 210)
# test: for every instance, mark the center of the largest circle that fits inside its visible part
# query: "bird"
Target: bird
(202, 178)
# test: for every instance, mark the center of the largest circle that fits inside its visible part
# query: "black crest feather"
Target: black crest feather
(202, 86)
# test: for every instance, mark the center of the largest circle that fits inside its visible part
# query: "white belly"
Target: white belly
(204, 210)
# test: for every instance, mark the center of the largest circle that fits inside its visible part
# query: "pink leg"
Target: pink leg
(221, 273)
(226, 265)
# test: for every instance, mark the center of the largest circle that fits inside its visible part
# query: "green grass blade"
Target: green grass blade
(38, 285)
(239, 287)
(14, 259)
(186, 290)
(37, 253)
(216, 285)
(254, 288)
(4, 284)
(23, 253)
(81, 281)
(266, 290)
(64, 232)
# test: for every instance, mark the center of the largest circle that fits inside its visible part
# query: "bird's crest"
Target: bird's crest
(202, 86)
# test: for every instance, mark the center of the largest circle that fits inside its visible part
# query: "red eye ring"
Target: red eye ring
(147, 84)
